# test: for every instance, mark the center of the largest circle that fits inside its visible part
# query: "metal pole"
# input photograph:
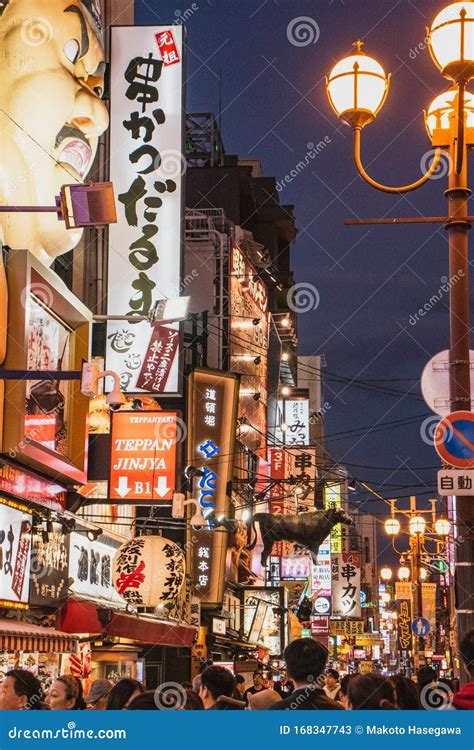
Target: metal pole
(459, 379)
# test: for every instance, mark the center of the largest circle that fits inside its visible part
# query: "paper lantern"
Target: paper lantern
(149, 571)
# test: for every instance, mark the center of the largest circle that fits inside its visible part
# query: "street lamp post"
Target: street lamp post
(357, 89)
(417, 527)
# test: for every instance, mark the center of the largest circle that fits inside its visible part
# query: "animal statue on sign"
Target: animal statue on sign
(308, 530)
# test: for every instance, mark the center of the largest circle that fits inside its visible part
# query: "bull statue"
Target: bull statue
(308, 530)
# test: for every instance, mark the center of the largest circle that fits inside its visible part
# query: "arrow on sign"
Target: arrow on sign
(123, 489)
(162, 488)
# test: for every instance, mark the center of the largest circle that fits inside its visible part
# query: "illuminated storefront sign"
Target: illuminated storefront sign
(146, 167)
(90, 565)
(45, 421)
(295, 417)
(321, 580)
(262, 624)
(428, 593)
(49, 568)
(31, 488)
(346, 627)
(333, 498)
(143, 456)
(248, 348)
(345, 580)
(15, 543)
(212, 420)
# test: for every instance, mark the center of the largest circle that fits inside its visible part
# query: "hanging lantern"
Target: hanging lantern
(149, 571)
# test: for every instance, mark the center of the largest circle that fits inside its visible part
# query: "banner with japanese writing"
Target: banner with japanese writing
(146, 167)
(212, 423)
(404, 635)
(345, 578)
(15, 542)
(428, 593)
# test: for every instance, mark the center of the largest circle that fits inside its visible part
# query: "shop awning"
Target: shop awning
(83, 618)
(22, 636)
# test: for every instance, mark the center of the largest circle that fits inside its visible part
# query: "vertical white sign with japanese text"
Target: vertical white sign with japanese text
(146, 168)
(345, 577)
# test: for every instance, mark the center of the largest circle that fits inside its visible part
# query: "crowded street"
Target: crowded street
(236, 383)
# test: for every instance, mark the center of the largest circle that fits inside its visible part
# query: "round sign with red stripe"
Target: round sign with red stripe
(454, 439)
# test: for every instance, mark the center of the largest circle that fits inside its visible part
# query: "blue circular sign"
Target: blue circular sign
(421, 627)
(454, 439)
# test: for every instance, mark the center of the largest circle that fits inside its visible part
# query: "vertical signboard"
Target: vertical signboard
(321, 580)
(404, 619)
(146, 167)
(248, 345)
(212, 420)
(333, 498)
(428, 594)
(345, 576)
(143, 456)
(277, 490)
(296, 419)
(15, 543)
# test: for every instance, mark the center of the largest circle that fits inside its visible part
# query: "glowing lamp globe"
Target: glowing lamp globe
(423, 574)
(442, 112)
(417, 525)
(357, 88)
(149, 571)
(451, 41)
(386, 574)
(442, 526)
(403, 573)
(392, 526)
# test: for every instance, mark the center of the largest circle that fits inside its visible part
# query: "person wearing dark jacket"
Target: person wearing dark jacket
(463, 700)
(305, 661)
(217, 689)
(21, 691)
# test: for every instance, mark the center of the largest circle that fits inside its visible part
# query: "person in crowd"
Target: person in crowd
(66, 694)
(406, 692)
(217, 687)
(463, 700)
(426, 676)
(240, 685)
(197, 683)
(371, 692)
(332, 687)
(343, 689)
(305, 661)
(98, 694)
(123, 693)
(144, 701)
(258, 685)
(21, 691)
(263, 700)
(193, 702)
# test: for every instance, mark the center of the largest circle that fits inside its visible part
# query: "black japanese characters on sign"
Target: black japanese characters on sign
(49, 569)
(146, 140)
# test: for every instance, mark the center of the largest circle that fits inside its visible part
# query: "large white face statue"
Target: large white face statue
(51, 114)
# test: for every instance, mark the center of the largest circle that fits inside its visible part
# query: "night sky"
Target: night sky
(370, 280)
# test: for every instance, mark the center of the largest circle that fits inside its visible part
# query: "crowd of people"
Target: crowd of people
(309, 685)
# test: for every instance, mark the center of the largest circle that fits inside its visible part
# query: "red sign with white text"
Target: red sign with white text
(168, 48)
(143, 456)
